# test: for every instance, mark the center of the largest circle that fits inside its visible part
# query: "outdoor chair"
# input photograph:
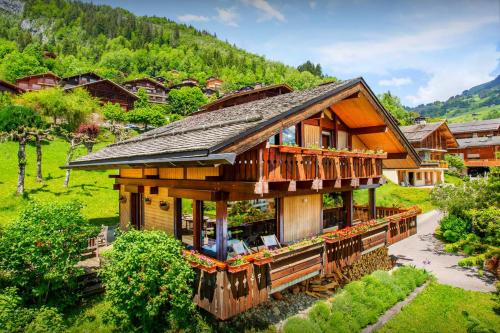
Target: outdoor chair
(271, 242)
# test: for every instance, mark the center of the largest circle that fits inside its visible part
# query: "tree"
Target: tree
(393, 104)
(311, 68)
(20, 122)
(40, 251)
(153, 115)
(185, 100)
(50, 103)
(115, 115)
(88, 134)
(456, 163)
(147, 280)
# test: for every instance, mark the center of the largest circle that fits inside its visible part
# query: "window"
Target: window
(208, 242)
(343, 139)
(137, 210)
(333, 210)
(274, 140)
(289, 136)
(326, 139)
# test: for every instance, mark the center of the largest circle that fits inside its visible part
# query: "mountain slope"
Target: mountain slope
(479, 102)
(120, 45)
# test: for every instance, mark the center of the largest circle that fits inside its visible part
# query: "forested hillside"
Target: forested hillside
(119, 45)
(479, 102)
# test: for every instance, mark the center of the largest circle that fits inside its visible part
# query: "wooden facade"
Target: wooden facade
(214, 83)
(278, 171)
(156, 91)
(79, 79)
(10, 88)
(38, 81)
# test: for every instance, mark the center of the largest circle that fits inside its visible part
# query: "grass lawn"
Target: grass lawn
(439, 309)
(391, 194)
(451, 179)
(93, 188)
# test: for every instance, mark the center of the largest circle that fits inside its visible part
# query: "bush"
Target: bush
(46, 320)
(300, 325)
(40, 250)
(360, 303)
(454, 228)
(147, 281)
(455, 162)
(486, 224)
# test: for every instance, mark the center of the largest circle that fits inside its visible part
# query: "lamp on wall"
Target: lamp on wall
(147, 200)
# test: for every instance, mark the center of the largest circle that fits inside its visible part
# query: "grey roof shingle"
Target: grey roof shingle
(479, 142)
(206, 131)
(475, 126)
(418, 132)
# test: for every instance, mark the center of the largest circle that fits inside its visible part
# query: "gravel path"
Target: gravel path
(425, 251)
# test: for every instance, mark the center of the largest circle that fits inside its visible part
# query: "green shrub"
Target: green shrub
(454, 228)
(147, 281)
(46, 320)
(300, 325)
(486, 224)
(40, 250)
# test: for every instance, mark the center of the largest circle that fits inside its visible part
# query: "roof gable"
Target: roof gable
(146, 79)
(475, 126)
(419, 132)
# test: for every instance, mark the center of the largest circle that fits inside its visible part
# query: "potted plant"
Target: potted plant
(262, 258)
(192, 258)
(237, 264)
(206, 264)
(312, 149)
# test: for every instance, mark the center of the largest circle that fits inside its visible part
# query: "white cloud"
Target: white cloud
(227, 16)
(423, 51)
(193, 18)
(395, 82)
(312, 4)
(268, 12)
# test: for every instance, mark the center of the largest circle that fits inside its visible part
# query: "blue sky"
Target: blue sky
(420, 50)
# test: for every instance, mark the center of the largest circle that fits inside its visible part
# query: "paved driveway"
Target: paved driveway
(425, 251)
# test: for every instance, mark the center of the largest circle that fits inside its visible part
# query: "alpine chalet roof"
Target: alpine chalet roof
(479, 142)
(418, 132)
(208, 133)
(475, 126)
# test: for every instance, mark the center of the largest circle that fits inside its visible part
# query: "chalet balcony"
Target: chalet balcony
(278, 163)
(435, 163)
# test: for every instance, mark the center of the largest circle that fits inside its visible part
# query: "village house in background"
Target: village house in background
(79, 79)
(187, 82)
(266, 173)
(432, 142)
(156, 91)
(38, 81)
(10, 88)
(478, 144)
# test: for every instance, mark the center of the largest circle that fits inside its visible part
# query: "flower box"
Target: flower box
(208, 269)
(193, 264)
(237, 268)
(311, 151)
(262, 261)
(290, 149)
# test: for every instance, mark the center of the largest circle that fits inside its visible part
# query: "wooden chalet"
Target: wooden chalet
(189, 82)
(38, 81)
(214, 83)
(479, 153)
(431, 141)
(79, 79)
(10, 88)
(246, 96)
(156, 91)
(476, 128)
(108, 91)
(225, 181)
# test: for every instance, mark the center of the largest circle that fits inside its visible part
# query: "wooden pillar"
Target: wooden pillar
(348, 207)
(221, 229)
(197, 222)
(178, 218)
(280, 222)
(372, 205)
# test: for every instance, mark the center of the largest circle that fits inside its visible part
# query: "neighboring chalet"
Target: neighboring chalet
(108, 91)
(185, 178)
(478, 144)
(156, 91)
(214, 83)
(10, 88)
(431, 141)
(189, 82)
(246, 96)
(38, 81)
(79, 79)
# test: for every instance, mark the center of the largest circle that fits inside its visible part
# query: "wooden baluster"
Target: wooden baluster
(300, 166)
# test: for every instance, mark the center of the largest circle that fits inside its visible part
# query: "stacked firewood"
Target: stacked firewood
(322, 287)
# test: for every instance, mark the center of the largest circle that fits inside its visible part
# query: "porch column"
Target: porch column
(178, 218)
(221, 229)
(372, 205)
(280, 221)
(348, 207)
(197, 222)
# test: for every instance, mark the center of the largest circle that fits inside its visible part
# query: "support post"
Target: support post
(280, 219)
(221, 229)
(372, 205)
(348, 207)
(178, 218)
(197, 222)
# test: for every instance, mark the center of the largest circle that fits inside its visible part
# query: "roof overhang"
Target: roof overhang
(195, 158)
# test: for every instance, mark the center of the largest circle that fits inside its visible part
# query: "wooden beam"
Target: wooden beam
(203, 195)
(178, 218)
(348, 206)
(372, 206)
(397, 156)
(134, 188)
(197, 221)
(221, 229)
(369, 130)
(280, 220)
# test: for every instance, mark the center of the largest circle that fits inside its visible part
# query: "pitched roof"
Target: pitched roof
(156, 83)
(204, 134)
(11, 86)
(82, 74)
(475, 126)
(116, 85)
(418, 132)
(38, 75)
(479, 142)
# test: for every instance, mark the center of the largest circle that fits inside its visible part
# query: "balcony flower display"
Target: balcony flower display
(348, 232)
(237, 264)
(262, 258)
(197, 260)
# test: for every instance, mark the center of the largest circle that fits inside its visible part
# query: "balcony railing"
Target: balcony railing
(435, 163)
(285, 163)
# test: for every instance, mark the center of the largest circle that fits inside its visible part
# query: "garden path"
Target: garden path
(425, 251)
